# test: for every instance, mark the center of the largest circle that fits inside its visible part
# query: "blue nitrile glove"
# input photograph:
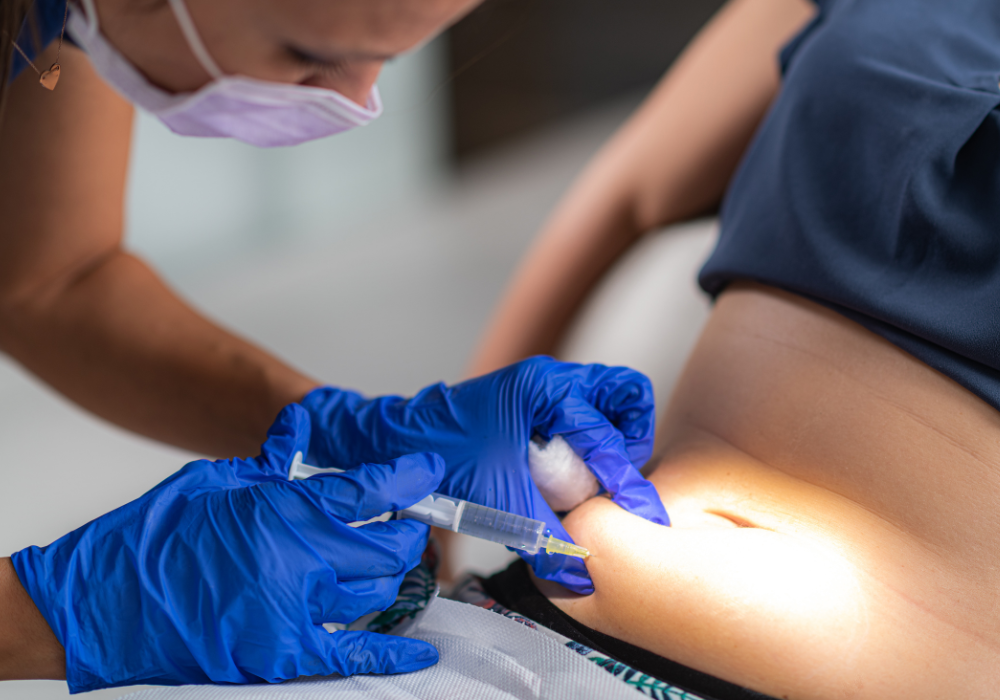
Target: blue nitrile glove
(482, 428)
(225, 572)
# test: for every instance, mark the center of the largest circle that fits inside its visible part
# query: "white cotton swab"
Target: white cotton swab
(560, 474)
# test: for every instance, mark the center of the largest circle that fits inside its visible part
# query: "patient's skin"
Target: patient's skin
(836, 517)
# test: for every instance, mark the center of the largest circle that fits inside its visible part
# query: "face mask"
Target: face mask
(257, 112)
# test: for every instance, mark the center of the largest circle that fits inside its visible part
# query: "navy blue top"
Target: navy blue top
(873, 186)
(49, 22)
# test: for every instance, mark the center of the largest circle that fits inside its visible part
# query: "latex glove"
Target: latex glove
(225, 572)
(482, 428)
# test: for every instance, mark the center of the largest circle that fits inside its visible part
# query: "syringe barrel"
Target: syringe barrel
(442, 511)
(514, 531)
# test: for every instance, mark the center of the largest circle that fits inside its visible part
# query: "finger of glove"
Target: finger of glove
(349, 653)
(406, 538)
(626, 398)
(371, 551)
(372, 489)
(568, 571)
(602, 448)
(287, 435)
(333, 600)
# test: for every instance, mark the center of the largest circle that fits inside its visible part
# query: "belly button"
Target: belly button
(734, 519)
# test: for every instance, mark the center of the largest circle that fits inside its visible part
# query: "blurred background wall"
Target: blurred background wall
(194, 202)
(371, 260)
(521, 64)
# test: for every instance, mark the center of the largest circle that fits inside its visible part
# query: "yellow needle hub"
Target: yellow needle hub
(554, 546)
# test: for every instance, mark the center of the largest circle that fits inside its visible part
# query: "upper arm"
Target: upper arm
(63, 166)
(670, 162)
(681, 148)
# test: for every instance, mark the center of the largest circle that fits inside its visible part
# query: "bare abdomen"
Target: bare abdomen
(835, 506)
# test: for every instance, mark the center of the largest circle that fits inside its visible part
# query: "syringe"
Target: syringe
(515, 531)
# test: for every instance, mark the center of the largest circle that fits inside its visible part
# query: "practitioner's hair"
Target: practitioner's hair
(12, 16)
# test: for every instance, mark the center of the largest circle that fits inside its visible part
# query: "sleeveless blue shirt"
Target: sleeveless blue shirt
(48, 24)
(873, 185)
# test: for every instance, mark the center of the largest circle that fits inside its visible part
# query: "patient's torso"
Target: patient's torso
(836, 509)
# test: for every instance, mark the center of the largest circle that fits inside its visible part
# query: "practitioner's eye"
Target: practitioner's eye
(322, 66)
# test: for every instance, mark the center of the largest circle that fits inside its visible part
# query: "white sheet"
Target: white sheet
(484, 656)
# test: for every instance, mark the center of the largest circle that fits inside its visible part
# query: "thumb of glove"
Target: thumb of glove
(349, 653)
(288, 434)
(372, 489)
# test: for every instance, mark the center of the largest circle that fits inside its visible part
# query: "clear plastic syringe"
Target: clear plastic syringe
(514, 531)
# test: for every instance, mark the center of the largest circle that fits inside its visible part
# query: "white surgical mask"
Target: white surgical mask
(258, 112)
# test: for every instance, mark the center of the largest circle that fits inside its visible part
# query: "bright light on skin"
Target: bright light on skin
(742, 603)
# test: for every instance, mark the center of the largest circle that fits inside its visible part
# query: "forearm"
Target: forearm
(670, 162)
(117, 341)
(28, 648)
(88, 318)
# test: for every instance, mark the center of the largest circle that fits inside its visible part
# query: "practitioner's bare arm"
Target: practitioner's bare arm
(28, 648)
(91, 319)
(671, 161)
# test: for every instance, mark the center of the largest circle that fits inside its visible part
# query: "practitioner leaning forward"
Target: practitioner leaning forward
(226, 571)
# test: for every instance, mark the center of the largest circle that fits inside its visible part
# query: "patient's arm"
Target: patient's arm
(671, 161)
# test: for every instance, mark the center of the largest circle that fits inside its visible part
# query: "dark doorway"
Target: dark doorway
(519, 64)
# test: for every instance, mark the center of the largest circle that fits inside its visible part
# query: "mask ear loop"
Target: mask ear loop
(90, 10)
(194, 39)
(48, 79)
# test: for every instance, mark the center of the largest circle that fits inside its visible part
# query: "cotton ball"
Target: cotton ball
(560, 474)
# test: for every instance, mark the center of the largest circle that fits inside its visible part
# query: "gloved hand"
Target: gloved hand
(225, 572)
(482, 428)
